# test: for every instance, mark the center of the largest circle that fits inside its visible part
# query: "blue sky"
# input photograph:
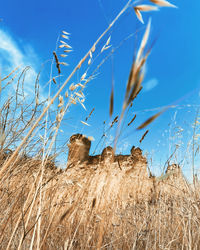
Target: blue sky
(28, 34)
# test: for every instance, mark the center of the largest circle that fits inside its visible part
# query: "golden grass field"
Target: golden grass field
(106, 201)
(97, 206)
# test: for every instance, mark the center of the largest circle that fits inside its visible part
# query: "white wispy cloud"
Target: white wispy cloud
(123, 147)
(14, 54)
(149, 85)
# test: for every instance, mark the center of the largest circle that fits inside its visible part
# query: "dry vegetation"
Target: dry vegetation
(97, 206)
(105, 201)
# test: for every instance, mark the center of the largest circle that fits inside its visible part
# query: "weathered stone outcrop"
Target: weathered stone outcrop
(172, 182)
(124, 174)
(79, 148)
(108, 155)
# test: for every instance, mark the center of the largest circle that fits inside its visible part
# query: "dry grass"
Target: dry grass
(98, 205)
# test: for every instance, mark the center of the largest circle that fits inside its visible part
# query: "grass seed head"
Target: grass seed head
(61, 46)
(61, 101)
(72, 87)
(65, 32)
(144, 135)
(58, 118)
(145, 7)
(93, 48)
(163, 3)
(85, 123)
(62, 42)
(68, 50)
(63, 63)
(54, 80)
(66, 94)
(89, 61)
(66, 37)
(139, 15)
(63, 55)
(83, 76)
(67, 46)
(108, 41)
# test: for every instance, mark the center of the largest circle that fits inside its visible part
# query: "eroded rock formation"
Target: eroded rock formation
(79, 148)
(124, 176)
(108, 155)
(173, 181)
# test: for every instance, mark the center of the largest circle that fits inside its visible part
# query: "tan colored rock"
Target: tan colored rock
(131, 170)
(122, 160)
(94, 160)
(136, 155)
(107, 155)
(172, 182)
(79, 148)
(173, 170)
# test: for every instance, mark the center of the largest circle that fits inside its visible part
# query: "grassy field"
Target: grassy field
(104, 205)
(96, 206)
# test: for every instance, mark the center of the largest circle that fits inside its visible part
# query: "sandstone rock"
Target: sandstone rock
(79, 148)
(107, 155)
(110, 171)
